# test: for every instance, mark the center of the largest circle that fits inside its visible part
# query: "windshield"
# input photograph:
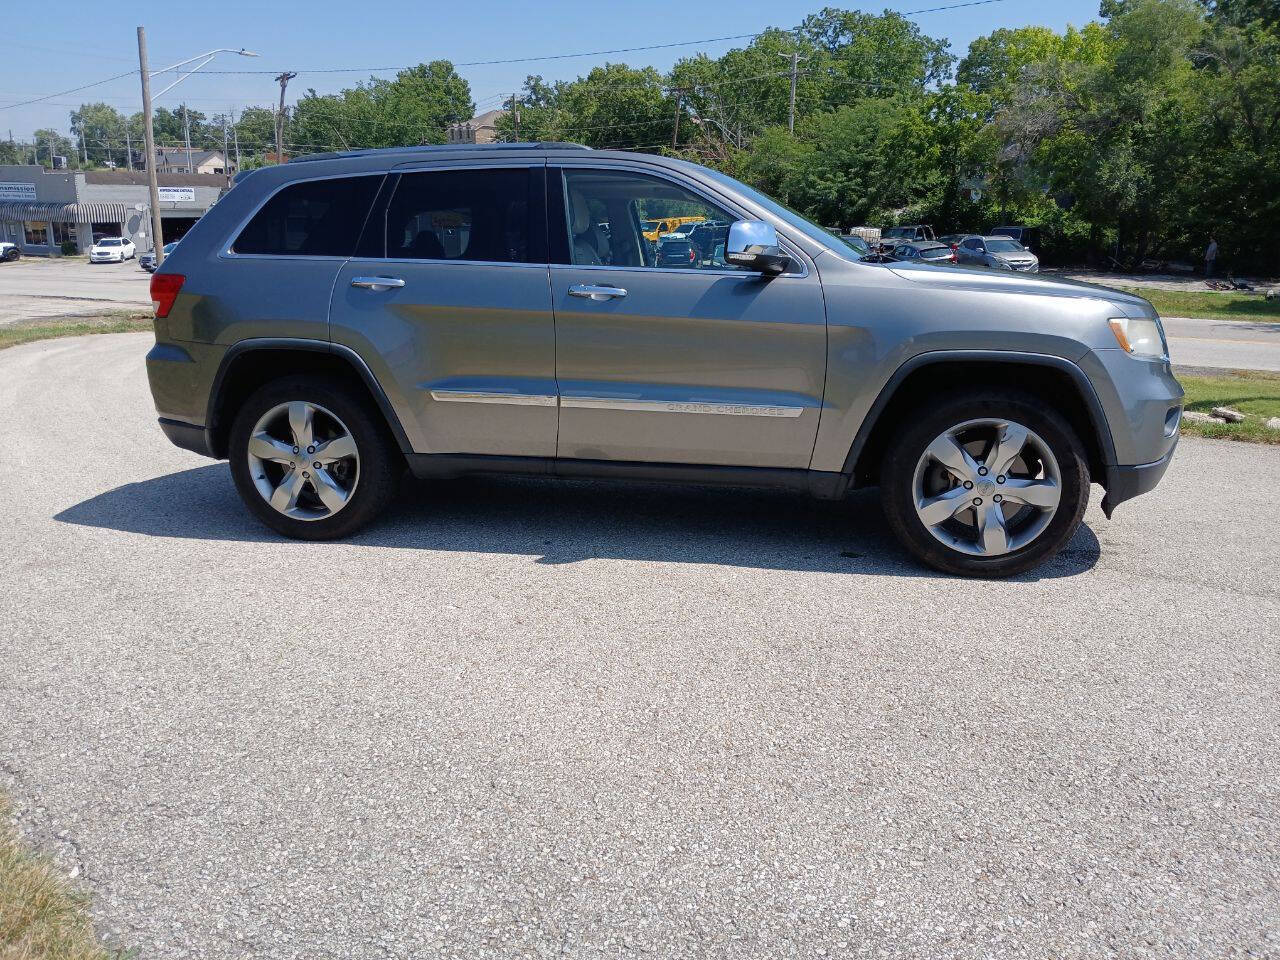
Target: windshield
(899, 232)
(858, 244)
(800, 222)
(109, 243)
(1003, 245)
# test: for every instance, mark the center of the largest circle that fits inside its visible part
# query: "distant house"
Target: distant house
(481, 129)
(175, 160)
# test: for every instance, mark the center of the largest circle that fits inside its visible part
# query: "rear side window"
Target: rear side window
(315, 218)
(474, 215)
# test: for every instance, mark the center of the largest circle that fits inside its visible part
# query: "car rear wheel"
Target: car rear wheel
(312, 458)
(985, 483)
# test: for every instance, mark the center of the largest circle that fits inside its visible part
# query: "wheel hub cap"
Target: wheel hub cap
(303, 460)
(987, 487)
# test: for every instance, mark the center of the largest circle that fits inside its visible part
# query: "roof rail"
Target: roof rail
(438, 148)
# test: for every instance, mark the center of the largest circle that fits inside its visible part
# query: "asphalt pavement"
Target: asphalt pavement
(39, 288)
(537, 719)
(1223, 344)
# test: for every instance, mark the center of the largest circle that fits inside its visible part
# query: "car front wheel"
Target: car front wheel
(985, 483)
(312, 458)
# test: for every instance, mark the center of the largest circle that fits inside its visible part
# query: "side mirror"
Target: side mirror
(754, 244)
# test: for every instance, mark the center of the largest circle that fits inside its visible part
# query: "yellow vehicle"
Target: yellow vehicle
(653, 229)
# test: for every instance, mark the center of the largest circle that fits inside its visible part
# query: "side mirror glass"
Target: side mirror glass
(754, 244)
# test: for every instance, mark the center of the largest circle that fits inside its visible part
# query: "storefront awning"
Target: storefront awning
(103, 212)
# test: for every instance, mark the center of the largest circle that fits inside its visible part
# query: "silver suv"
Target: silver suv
(498, 309)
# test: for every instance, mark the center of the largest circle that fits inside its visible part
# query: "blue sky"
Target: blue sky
(84, 42)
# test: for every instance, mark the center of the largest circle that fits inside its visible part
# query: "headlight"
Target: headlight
(1142, 338)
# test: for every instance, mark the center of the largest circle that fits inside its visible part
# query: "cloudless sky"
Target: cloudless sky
(79, 42)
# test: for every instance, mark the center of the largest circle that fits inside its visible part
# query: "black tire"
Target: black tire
(928, 422)
(381, 465)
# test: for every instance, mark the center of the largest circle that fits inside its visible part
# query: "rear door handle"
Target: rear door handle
(377, 283)
(591, 291)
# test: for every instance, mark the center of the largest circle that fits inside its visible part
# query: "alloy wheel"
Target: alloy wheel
(987, 487)
(303, 460)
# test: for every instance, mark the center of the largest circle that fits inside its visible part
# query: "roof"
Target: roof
(411, 152)
(180, 153)
(138, 178)
(486, 119)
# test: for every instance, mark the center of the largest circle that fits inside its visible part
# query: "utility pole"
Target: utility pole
(675, 130)
(795, 62)
(157, 238)
(283, 80)
(186, 134)
(226, 160)
(84, 146)
(128, 146)
(515, 116)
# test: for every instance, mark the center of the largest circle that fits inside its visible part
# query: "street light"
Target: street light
(157, 237)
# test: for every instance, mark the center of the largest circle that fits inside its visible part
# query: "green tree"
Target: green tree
(416, 107)
(612, 106)
(50, 142)
(101, 129)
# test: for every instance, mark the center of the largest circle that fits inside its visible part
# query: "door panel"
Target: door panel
(689, 367)
(701, 363)
(465, 348)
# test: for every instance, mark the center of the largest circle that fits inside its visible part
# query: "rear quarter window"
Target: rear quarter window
(314, 218)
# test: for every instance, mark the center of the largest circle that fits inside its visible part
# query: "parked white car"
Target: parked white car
(112, 250)
(9, 251)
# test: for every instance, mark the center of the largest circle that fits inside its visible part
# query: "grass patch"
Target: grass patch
(1255, 394)
(120, 321)
(41, 916)
(1210, 305)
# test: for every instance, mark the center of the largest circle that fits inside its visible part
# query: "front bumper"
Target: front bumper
(1126, 482)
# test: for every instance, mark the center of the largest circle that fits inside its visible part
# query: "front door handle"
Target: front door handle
(377, 283)
(591, 291)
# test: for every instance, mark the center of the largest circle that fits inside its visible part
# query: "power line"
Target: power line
(63, 93)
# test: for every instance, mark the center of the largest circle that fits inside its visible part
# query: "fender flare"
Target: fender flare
(353, 359)
(1097, 416)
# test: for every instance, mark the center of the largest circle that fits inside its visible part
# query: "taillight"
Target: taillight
(692, 258)
(164, 290)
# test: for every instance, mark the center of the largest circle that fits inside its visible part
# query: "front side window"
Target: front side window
(608, 213)
(314, 218)
(471, 215)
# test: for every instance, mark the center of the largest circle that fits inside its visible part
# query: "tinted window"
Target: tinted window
(477, 215)
(315, 218)
(972, 244)
(607, 212)
(1004, 246)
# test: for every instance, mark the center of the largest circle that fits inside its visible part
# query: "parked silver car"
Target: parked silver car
(148, 260)
(999, 253)
(459, 310)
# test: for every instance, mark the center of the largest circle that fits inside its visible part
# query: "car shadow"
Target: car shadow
(565, 521)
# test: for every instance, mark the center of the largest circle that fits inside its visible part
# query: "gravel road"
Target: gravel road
(527, 719)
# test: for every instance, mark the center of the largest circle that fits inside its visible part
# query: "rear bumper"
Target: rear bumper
(188, 436)
(1126, 482)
